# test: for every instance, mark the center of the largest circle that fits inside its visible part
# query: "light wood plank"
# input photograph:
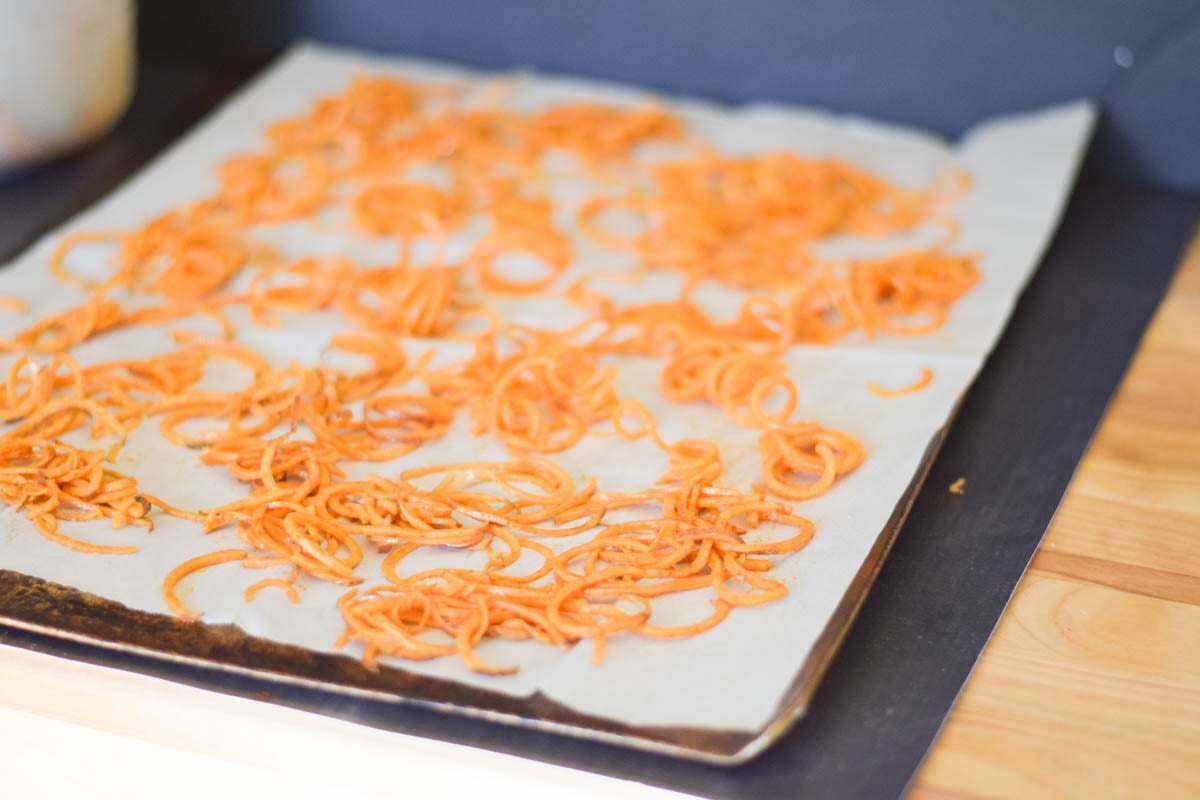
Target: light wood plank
(1177, 326)
(1100, 527)
(1090, 686)
(1084, 691)
(1146, 581)
(1136, 497)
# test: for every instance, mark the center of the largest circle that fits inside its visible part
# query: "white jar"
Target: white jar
(66, 74)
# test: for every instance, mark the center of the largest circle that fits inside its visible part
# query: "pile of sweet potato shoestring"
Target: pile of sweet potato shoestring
(566, 560)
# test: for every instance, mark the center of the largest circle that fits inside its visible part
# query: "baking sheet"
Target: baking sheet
(734, 677)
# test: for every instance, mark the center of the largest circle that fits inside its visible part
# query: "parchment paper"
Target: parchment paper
(732, 678)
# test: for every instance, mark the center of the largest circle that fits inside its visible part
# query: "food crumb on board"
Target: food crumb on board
(957, 486)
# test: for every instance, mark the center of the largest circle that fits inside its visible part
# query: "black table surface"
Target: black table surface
(1018, 436)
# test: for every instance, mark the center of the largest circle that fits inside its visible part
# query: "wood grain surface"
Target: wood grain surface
(1090, 686)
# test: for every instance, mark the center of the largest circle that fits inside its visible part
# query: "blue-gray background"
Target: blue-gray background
(936, 64)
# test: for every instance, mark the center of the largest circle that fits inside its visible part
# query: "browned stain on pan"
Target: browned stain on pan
(42, 606)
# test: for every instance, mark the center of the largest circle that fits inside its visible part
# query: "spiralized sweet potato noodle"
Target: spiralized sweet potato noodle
(560, 568)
